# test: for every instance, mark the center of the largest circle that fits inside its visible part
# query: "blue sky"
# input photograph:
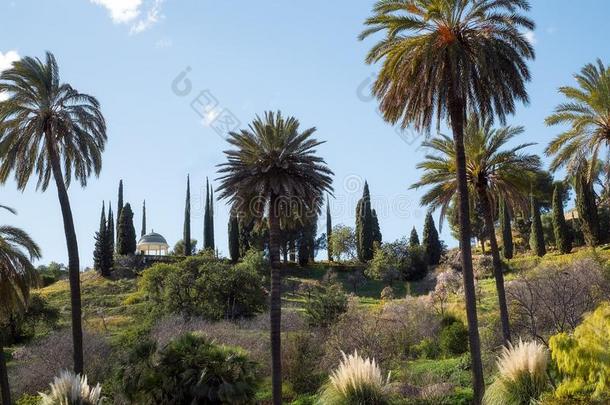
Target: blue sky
(243, 58)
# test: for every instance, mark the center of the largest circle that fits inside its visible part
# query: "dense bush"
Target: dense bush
(554, 298)
(583, 358)
(38, 314)
(190, 369)
(325, 304)
(198, 286)
(454, 338)
(396, 260)
(38, 363)
(301, 355)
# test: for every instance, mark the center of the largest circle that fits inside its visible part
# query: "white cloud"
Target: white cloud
(138, 14)
(6, 60)
(210, 115)
(531, 37)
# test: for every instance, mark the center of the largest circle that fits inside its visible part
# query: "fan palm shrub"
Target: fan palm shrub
(522, 377)
(440, 59)
(357, 381)
(494, 173)
(17, 275)
(273, 172)
(50, 130)
(72, 389)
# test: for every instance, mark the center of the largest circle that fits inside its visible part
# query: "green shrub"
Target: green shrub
(427, 349)
(454, 339)
(325, 305)
(301, 356)
(584, 358)
(28, 400)
(190, 369)
(199, 286)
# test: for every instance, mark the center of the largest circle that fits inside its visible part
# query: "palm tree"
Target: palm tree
(274, 165)
(17, 275)
(493, 175)
(441, 58)
(49, 129)
(587, 113)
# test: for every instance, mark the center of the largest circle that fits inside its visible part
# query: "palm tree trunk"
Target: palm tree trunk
(276, 303)
(4, 387)
(73, 260)
(497, 264)
(456, 111)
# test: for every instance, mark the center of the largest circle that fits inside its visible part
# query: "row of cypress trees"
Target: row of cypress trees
(367, 227)
(208, 219)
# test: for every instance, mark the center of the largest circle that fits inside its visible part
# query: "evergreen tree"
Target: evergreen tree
(234, 237)
(587, 208)
(109, 246)
(563, 241)
(99, 252)
(329, 231)
(208, 218)
(143, 231)
(414, 238)
(126, 233)
(119, 206)
(536, 232)
(364, 226)
(110, 228)
(507, 234)
(186, 237)
(377, 237)
(432, 244)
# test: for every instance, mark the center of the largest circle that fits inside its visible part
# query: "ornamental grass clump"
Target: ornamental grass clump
(521, 375)
(72, 389)
(356, 381)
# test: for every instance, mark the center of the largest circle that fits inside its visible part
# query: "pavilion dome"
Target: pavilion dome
(152, 244)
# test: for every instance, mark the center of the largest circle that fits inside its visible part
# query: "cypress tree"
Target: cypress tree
(234, 237)
(99, 252)
(329, 231)
(560, 228)
(109, 246)
(377, 237)
(186, 237)
(587, 209)
(208, 218)
(414, 238)
(365, 226)
(432, 244)
(110, 228)
(507, 235)
(536, 232)
(126, 234)
(213, 242)
(119, 206)
(143, 231)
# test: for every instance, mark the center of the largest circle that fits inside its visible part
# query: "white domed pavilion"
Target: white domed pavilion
(152, 244)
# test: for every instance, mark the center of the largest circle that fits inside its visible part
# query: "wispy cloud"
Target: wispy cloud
(164, 43)
(531, 37)
(6, 60)
(140, 15)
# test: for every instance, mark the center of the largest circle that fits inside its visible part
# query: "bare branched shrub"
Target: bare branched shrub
(37, 364)
(448, 282)
(385, 334)
(553, 298)
(251, 335)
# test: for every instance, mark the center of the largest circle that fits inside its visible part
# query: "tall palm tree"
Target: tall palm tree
(587, 112)
(17, 275)
(493, 174)
(49, 129)
(441, 58)
(274, 165)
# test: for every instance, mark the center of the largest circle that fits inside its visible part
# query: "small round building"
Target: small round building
(152, 244)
